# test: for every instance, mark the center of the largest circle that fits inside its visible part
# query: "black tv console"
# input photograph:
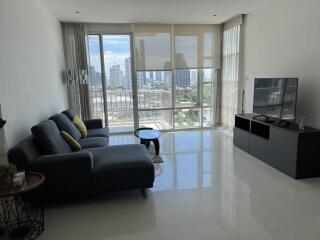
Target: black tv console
(293, 151)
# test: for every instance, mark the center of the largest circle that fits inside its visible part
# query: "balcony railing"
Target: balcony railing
(120, 108)
(154, 109)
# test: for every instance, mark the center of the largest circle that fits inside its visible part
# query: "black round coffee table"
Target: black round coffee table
(148, 135)
(23, 208)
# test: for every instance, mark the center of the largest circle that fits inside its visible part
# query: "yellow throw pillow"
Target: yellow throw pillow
(75, 146)
(81, 126)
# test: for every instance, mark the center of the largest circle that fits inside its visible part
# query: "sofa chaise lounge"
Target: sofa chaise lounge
(97, 167)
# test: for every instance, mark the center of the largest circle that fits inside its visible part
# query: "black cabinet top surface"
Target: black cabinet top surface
(289, 127)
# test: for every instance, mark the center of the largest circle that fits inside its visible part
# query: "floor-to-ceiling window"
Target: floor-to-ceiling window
(171, 84)
(153, 65)
(176, 70)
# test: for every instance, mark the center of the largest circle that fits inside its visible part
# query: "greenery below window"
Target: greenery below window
(187, 118)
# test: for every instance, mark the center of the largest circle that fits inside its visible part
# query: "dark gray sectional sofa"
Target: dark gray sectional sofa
(97, 167)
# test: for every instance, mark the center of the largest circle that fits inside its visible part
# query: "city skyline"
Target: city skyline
(117, 59)
(155, 88)
(116, 78)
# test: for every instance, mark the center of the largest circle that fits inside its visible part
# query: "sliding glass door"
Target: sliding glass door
(111, 81)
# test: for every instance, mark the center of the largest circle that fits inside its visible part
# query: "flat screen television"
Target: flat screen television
(276, 97)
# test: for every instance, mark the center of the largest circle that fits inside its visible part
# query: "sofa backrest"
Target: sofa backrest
(48, 139)
(70, 113)
(65, 124)
(24, 153)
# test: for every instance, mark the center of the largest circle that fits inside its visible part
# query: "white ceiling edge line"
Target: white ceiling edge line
(65, 12)
(265, 3)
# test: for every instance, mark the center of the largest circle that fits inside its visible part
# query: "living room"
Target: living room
(159, 120)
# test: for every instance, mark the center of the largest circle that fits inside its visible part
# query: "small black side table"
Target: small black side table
(148, 135)
(23, 208)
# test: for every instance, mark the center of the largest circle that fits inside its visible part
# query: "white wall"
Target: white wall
(31, 61)
(282, 39)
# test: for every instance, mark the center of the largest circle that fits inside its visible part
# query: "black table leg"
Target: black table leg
(23, 215)
(156, 146)
(145, 142)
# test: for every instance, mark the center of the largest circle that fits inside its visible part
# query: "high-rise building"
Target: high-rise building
(127, 76)
(158, 75)
(182, 75)
(194, 78)
(167, 76)
(140, 80)
(115, 77)
(183, 78)
(95, 78)
(92, 75)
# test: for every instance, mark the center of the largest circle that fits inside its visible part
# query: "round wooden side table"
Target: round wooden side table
(23, 208)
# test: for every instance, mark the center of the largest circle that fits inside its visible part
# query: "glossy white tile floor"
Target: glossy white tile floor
(206, 189)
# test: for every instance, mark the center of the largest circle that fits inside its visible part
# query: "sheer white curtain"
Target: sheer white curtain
(230, 72)
(75, 53)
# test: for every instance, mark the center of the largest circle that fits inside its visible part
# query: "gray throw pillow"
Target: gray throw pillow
(48, 138)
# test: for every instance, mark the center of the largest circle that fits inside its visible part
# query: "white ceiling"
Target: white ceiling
(150, 11)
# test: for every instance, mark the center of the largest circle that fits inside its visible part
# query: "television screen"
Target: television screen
(276, 97)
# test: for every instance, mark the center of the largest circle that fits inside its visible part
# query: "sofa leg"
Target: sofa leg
(144, 192)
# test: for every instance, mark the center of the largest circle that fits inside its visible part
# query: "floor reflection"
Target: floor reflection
(205, 189)
(189, 158)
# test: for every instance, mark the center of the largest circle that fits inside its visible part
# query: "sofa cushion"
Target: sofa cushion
(93, 142)
(98, 132)
(64, 124)
(48, 138)
(70, 113)
(80, 125)
(75, 146)
(93, 123)
(122, 167)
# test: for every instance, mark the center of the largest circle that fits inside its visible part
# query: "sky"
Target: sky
(116, 49)
(157, 49)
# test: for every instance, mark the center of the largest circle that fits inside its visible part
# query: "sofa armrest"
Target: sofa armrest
(68, 164)
(93, 123)
(67, 175)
